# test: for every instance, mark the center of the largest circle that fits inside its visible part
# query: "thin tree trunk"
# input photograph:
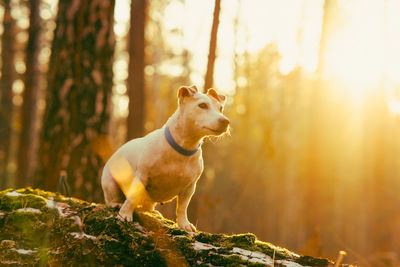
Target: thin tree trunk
(326, 29)
(6, 81)
(136, 86)
(79, 88)
(236, 67)
(315, 173)
(209, 80)
(29, 96)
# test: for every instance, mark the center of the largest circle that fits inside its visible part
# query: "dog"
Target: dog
(166, 163)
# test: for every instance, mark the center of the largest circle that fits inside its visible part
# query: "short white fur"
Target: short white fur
(149, 171)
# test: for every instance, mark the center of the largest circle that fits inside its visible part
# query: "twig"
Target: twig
(340, 257)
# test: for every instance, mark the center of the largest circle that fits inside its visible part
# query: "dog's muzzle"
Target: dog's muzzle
(223, 125)
(223, 122)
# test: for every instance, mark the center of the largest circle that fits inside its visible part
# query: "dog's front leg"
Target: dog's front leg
(181, 209)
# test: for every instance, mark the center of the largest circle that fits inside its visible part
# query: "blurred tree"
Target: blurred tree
(209, 79)
(165, 49)
(136, 85)
(6, 82)
(79, 88)
(326, 30)
(236, 23)
(315, 176)
(379, 143)
(28, 110)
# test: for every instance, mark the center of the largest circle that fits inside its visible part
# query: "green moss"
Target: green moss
(182, 241)
(244, 240)
(214, 239)
(275, 251)
(225, 261)
(310, 261)
(75, 232)
(13, 200)
(177, 231)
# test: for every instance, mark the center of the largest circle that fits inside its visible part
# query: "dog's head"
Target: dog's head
(203, 112)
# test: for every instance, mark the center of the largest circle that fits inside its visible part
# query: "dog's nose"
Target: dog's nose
(224, 121)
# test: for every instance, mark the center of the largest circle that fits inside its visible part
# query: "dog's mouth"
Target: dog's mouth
(217, 131)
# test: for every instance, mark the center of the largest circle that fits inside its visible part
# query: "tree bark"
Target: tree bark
(209, 80)
(6, 81)
(29, 96)
(79, 88)
(136, 84)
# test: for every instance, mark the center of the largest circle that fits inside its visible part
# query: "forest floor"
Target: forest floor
(45, 228)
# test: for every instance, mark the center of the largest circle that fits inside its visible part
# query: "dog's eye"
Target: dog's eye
(220, 109)
(203, 106)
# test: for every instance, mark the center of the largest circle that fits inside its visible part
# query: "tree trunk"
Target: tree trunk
(6, 81)
(316, 177)
(213, 46)
(326, 29)
(104, 240)
(136, 87)
(30, 94)
(79, 88)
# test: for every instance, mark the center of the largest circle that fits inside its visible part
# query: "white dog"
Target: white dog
(167, 162)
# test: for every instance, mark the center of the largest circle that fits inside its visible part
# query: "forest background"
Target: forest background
(313, 160)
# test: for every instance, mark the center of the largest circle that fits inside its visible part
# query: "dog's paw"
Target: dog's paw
(125, 216)
(187, 226)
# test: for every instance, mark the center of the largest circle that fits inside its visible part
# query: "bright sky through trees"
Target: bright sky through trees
(361, 53)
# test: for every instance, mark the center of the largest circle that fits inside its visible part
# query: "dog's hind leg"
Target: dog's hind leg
(135, 195)
(126, 211)
(119, 173)
(113, 195)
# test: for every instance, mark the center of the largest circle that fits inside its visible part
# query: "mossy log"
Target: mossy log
(44, 228)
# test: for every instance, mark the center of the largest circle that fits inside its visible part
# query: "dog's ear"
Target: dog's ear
(219, 98)
(223, 99)
(185, 91)
(194, 87)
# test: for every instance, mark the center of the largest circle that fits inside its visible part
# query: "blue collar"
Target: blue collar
(177, 147)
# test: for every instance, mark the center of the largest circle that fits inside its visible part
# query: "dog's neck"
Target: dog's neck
(182, 134)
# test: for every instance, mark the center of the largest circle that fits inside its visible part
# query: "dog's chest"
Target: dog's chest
(171, 177)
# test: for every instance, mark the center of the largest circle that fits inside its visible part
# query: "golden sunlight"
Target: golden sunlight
(309, 157)
(123, 174)
(360, 52)
(355, 56)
